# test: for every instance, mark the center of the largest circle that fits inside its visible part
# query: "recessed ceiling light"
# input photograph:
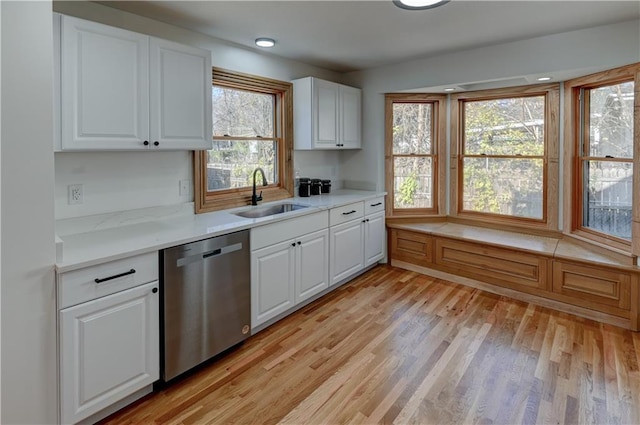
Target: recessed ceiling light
(544, 78)
(265, 42)
(419, 4)
(449, 89)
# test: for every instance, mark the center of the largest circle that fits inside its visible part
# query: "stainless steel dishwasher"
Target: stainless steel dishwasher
(206, 299)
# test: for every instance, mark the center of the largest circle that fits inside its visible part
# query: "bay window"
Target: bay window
(506, 163)
(414, 148)
(599, 194)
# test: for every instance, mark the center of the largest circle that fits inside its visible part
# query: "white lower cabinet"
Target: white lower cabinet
(374, 238)
(109, 349)
(272, 281)
(293, 260)
(289, 264)
(312, 265)
(357, 238)
(347, 242)
(287, 273)
(108, 335)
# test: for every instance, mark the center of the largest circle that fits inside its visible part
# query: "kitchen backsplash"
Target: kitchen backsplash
(122, 181)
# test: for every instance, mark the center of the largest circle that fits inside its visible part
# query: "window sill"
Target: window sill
(239, 199)
(623, 256)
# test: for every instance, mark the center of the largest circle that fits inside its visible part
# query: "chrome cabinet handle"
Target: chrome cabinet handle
(115, 276)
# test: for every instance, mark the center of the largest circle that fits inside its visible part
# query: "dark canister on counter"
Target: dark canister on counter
(304, 190)
(316, 185)
(326, 186)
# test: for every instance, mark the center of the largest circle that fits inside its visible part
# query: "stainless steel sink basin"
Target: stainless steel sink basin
(268, 210)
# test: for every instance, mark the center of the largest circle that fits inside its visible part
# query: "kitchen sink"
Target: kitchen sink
(268, 210)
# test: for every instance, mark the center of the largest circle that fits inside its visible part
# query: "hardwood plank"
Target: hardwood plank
(395, 346)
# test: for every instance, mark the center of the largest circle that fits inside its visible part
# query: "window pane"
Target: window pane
(411, 128)
(413, 182)
(611, 121)
(608, 197)
(231, 163)
(513, 126)
(503, 186)
(241, 113)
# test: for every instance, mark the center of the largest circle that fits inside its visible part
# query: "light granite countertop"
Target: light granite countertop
(88, 241)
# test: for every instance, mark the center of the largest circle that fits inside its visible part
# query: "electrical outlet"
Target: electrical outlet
(76, 195)
(185, 187)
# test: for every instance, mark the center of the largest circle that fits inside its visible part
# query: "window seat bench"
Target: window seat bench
(555, 272)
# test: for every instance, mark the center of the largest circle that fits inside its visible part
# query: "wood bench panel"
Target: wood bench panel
(411, 247)
(509, 268)
(593, 287)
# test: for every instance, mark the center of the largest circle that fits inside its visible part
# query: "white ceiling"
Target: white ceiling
(353, 35)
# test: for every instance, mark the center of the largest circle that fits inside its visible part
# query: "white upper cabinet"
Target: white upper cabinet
(350, 117)
(120, 90)
(326, 115)
(325, 119)
(104, 88)
(180, 91)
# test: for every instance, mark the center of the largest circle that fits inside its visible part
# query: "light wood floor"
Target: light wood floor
(398, 347)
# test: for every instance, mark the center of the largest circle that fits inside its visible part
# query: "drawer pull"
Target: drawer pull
(375, 205)
(115, 276)
(350, 212)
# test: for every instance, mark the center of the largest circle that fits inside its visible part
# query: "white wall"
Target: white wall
(576, 52)
(120, 181)
(28, 387)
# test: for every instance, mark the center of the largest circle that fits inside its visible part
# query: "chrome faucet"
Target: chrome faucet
(254, 198)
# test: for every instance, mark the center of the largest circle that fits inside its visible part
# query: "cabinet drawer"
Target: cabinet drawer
(593, 287)
(346, 213)
(504, 267)
(411, 247)
(80, 285)
(287, 229)
(374, 205)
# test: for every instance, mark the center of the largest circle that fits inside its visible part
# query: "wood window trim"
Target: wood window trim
(212, 201)
(572, 198)
(439, 148)
(550, 161)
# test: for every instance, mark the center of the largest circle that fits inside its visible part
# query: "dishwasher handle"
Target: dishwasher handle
(184, 261)
(212, 253)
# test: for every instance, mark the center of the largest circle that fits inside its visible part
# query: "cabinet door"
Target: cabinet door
(326, 100)
(374, 239)
(104, 87)
(109, 349)
(346, 250)
(272, 281)
(312, 264)
(350, 117)
(180, 93)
